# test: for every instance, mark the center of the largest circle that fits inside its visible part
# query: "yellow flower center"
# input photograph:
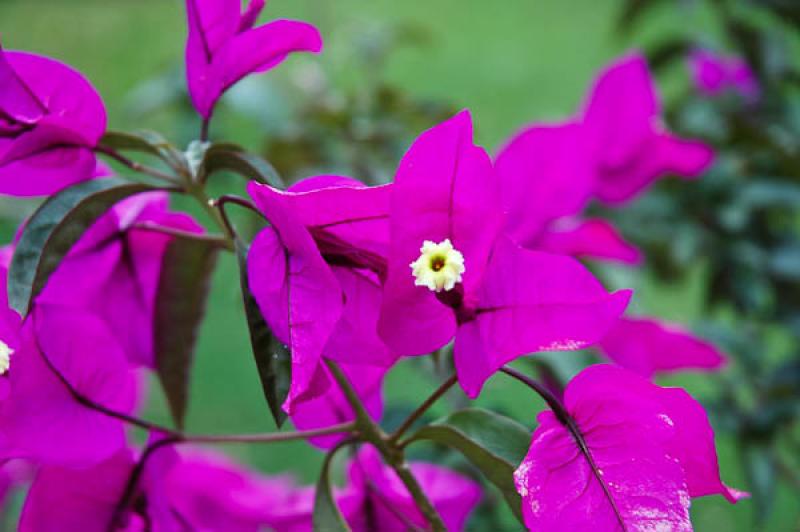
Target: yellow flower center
(5, 357)
(439, 266)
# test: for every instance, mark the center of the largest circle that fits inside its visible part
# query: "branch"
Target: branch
(270, 437)
(133, 165)
(416, 414)
(216, 240)
(392, 455)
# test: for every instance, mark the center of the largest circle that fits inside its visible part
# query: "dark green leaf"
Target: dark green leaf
(494, 444)
(180, 304)
(327, 517)
(273, 359)
(54, 228)
(145, 142)
(226, 156)
(666, 53)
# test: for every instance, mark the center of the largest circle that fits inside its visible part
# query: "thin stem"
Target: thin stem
(392, 455)
(204, 129)
(369, 429)
(210, 207)
(566, 419)
(552, 401)
(273, 437)
(218, 206)
(391, 508)
(133, 165)
(421, 409)
(217, 240)
(242, 202)
(180, 437)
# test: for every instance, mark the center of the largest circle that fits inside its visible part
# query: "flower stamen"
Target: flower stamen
(5, 357)
(439, 266)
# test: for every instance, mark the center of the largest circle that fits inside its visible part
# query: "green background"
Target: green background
(509, 61)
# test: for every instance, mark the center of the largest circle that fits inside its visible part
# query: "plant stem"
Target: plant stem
(133, 165)
(204, 127)
(273, 437)
(392, 454)
(416, 414)
(217, 240)
(209, 205)
(552, 401)
(181, 437)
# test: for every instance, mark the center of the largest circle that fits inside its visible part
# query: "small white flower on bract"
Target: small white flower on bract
(5, 357)
(439, 266)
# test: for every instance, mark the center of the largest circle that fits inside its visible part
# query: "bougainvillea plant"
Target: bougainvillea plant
(463, 256)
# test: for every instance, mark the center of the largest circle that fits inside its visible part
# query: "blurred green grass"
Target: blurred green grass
(510, 62)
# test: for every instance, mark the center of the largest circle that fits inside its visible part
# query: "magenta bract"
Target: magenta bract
(374, 498)
(331, 407)
(224, 47)
(714, 73)
(591, 239)
(50, 119)
(315, 276)
(37, 408)
(547, 175)
(114, 270)
(647, 346)
(651, 449)
(211, 492)
(87, 499)
(385, 503)
(512, 301)
(545, 172)
(629, 145)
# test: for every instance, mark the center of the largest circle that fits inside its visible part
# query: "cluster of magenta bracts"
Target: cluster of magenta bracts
(462, 247)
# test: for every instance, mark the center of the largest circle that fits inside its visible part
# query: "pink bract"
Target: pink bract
(630, 147)
(223, 46)
(547, 175)
(714, 73)
(647, 346)
(512, 302)
(37, 408)
(315, 276)
(114, 270)
(87, 499)
(391, 507)
(50, 119)
(651, 449)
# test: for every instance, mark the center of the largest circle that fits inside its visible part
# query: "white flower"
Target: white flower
(5, 357)
(439, 267)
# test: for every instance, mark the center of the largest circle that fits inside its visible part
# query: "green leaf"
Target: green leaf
(273, 359)
(183, 286)
(231, 157)
(667, 52)
(54, 228)
(327, 517)
(493, 443)
(148, 142)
